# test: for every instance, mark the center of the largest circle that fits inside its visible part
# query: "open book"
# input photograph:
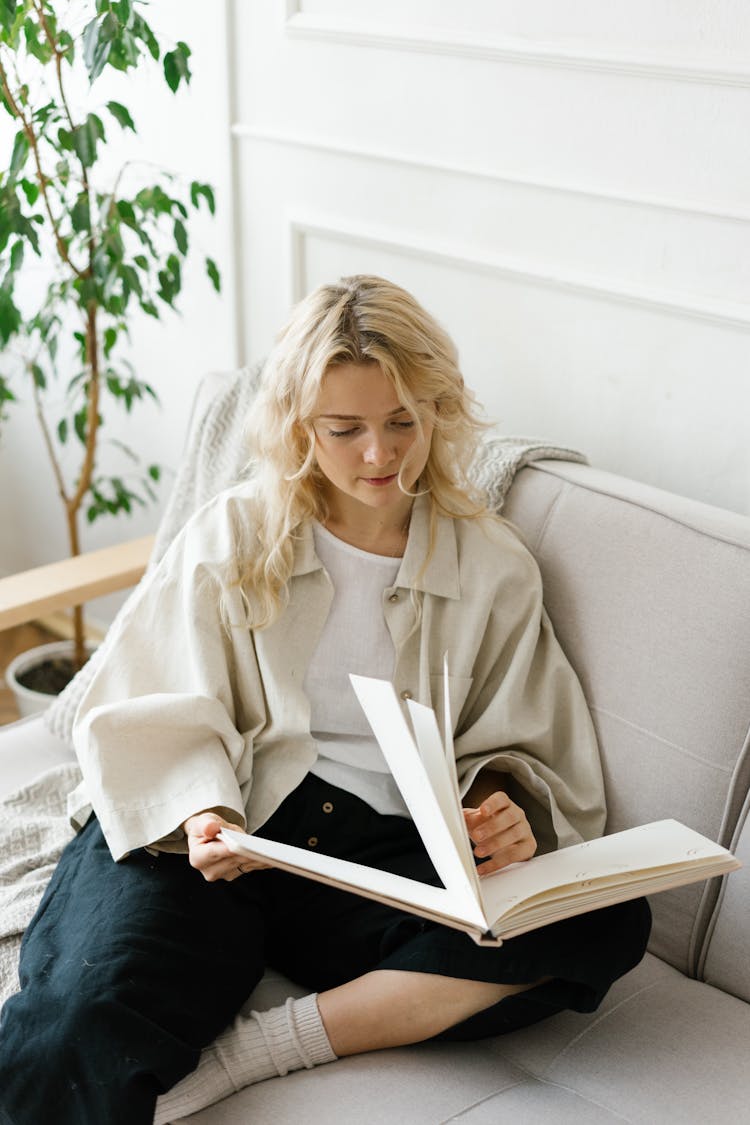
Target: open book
(521, 897)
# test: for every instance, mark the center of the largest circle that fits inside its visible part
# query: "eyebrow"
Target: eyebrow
(360, 417)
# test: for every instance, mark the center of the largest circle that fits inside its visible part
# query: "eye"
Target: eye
(408, 425)
(342, 433)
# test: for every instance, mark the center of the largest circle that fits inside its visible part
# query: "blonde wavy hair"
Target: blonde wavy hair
(361, 319)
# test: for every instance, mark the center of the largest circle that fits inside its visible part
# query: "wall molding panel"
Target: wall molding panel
(675, 67)
(566, 186)
(653, 299)
(359, 152)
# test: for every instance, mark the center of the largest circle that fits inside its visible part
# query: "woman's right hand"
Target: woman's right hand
(210, 856)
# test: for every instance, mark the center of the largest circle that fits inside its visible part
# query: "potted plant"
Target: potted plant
(108, 243)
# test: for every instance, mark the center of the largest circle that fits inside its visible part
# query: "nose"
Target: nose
(379, 451)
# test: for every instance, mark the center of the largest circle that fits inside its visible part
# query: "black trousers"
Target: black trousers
(129, 969)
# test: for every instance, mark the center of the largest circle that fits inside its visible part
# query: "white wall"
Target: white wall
(187, 133)
(566, 184)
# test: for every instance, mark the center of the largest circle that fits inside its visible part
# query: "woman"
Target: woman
(358, 546)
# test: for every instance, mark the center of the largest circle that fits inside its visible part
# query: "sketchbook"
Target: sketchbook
(524, 896)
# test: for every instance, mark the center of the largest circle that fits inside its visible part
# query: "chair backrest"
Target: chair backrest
(726, 959)
(649, 594)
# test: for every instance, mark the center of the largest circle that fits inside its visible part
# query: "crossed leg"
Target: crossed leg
(390, 1008)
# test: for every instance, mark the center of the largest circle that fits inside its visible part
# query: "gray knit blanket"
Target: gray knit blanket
(34, 827)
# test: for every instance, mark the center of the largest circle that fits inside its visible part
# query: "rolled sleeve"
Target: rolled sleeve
(156, 733)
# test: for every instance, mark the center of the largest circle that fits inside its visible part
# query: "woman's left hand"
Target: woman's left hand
(500, 831)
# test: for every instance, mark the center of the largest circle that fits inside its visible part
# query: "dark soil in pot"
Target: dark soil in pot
(49, 677)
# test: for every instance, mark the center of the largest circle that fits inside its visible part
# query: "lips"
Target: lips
(380, 482)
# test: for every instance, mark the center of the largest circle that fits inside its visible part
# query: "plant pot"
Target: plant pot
(28, 700)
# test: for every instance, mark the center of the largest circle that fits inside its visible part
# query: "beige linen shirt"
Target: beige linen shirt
(187, 715)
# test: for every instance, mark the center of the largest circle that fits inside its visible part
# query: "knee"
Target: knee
(44, 1028)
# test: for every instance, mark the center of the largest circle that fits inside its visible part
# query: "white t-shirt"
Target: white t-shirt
(355, 639)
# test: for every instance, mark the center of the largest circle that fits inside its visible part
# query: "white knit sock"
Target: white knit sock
(259, 1046)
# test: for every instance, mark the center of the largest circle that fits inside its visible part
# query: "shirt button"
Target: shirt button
(406, 695)
(327, 806)
(393, 598)
(312, 842)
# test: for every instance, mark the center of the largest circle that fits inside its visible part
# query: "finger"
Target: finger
(211, 829)
(211, 857)
(495, 803)
(506, 820)
(511, 837)
(516, 853)
(232, 866)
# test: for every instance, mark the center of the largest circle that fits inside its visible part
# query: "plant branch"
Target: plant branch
(48, 441)
(42, 178)
(73, 503)
(39, 7)
(92, 421)
(54, 47)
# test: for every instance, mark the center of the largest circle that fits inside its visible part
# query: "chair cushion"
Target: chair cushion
(623, 1062)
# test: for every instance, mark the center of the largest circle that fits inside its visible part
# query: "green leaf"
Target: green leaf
(125, 210)
(86, 137)
(30, 190)
(154, 471)
(176, 66)
(125, 449)
(109, 28)
(62, 430)
(95, 52)
(10, 317)
(124, 10)
(80, 215)
(38, 48)
(80, 424)
(121, 115)
(45, 112)
(197, 190)
(6, 394)
(131, 280)
(181, 236)
(40, 379)
(7, 14)
(142, 31)
(213, 272)
(19, 154)
(110, 339)
(66, 46)
(65, 139)
(16, 256)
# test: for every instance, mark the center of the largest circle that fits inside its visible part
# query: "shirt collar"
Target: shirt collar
(440, 576)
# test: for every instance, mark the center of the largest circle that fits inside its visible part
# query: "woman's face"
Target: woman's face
(363, 436)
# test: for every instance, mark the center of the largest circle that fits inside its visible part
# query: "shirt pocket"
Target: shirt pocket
(458, 689)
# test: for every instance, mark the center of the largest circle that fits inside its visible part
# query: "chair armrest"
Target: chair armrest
(71, 582)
